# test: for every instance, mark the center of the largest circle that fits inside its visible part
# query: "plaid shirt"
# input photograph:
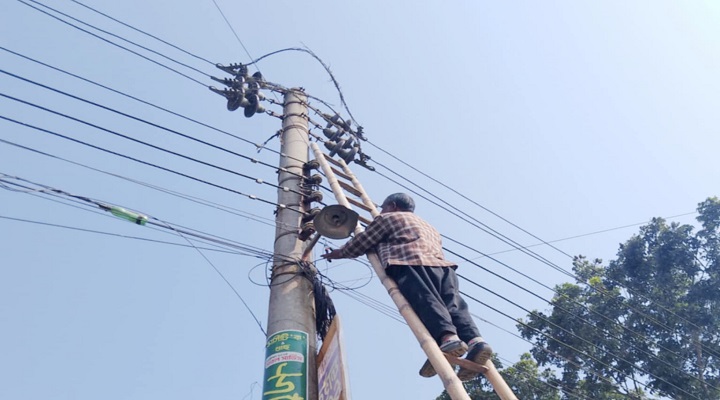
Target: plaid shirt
(400, 238)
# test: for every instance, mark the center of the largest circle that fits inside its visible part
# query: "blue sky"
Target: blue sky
(565, 118)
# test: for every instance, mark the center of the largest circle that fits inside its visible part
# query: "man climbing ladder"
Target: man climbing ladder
(411, 252)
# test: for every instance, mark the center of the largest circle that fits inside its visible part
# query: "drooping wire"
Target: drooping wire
(182, 233)
(325, 66)
(74, 228)
(97, 205)
(222, 276)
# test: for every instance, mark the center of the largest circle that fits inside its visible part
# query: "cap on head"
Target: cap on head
(402, 201)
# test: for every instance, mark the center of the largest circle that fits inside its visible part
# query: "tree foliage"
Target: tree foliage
(647, 322)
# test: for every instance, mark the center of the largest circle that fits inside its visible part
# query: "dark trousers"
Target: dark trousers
(433, 294)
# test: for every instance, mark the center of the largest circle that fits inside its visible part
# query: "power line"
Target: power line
(97, 205)
(118, 37)
(232, 29)
(257, 180)
(195, 199)
(114, 44)
(257, 146)
(74, 228)
(620, 358)
(222, 276)
(140, 120)
(142, 31)
(581, 318)
(534, 255)
(250, 196)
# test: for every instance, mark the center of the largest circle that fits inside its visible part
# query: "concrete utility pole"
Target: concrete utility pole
(290, 370)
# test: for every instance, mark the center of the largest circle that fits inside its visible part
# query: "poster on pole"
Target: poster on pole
(286, 366)
(333, 383)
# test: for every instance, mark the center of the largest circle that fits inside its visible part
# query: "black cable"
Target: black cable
(195, 199)
(118, 235)
(479, 225)
(257, 146)
(535, 255)
(222, 276)
(584, 368)
(583, 319)
(118, 37)
(143, 32)
(634, 366)
(257, 180)
(114, 44)
(206, 238)
(325, 66)
(232, 29)
(252, 197)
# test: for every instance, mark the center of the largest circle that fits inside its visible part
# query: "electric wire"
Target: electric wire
(142, 31)
(83, 201)
(542, 259)
(232, 29)
(591, 233)
(590, 310)
(250, 196)
(229, 134)
(222, 276)
(479, 225)
(231, 210)
(584, 320)
(261, 181)
(324, 65)
(118, 37)
(620, 358)
(74, 228)
(115, 44)
(583, 367)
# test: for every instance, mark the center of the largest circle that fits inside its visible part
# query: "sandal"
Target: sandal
(452, 347)
(479, 354)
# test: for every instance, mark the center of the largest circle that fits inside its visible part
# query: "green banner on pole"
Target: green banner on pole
(286, 366)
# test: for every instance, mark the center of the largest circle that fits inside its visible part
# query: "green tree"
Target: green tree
(646, 322)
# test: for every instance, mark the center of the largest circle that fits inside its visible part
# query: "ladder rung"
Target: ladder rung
(359, 204)
(333, 161)
(341, 174)
(350, 188)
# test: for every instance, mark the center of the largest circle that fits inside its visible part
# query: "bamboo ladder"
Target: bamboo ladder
(445, 371)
